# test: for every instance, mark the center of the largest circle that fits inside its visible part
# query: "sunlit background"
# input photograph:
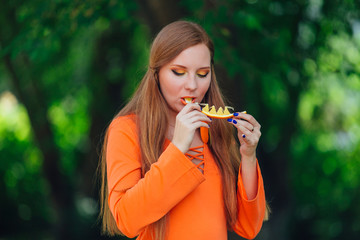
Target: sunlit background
(67, 67)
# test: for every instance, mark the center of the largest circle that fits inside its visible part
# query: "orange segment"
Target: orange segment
(187, 100)
(220, 113)
(212, 110)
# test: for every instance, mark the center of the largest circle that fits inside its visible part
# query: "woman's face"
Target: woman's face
(186, 76)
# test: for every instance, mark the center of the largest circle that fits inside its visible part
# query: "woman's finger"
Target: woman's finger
(243, 123)
(198, 116)
(190, 107)
(201, 124)
(242, 129)
(245, 133)
(247, 117)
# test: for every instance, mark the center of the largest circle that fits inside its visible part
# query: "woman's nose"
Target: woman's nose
(191, 82)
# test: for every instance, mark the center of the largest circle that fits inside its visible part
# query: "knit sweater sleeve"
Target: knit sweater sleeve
(136, 201)
(251, 213)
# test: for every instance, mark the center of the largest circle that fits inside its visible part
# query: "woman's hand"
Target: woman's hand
(248, 133)
(188, 120)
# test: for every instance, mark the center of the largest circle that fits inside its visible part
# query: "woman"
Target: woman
(161, 177)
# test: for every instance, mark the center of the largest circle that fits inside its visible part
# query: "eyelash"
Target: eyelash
(180, 74)
(202, 75)
(177, 73)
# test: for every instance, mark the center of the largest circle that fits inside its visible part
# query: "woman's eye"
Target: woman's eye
(178, 72)
(202, 75)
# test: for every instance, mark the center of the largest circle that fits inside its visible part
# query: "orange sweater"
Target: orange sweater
(173, 185)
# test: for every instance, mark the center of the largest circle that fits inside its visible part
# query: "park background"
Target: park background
(68, 66)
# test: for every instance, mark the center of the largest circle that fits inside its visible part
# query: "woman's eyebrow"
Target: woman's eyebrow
(177, 65)
(181, 66)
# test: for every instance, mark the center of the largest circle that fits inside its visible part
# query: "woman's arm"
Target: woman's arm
(136, 202)
(251, 212)
(249, 134)
(249, 176)
(251, 196)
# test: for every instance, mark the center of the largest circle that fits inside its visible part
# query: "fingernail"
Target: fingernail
(243, 136)
(234, 121)
(236, 114)
(210, 118)
(244, 112)
(229, 120)
(209, 125)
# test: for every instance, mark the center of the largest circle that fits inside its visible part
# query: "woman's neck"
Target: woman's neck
(172, 118)
(171, 124)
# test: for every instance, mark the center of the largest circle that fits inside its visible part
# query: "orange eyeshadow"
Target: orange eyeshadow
(178, 70)
(203, 72)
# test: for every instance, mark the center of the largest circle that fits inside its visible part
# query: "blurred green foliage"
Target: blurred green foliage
(68, 66)
(24, 189)
(326, 150)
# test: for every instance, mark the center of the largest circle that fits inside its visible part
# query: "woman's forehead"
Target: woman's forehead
(194, 56)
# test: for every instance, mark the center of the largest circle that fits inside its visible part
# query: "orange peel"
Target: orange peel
(220, 113)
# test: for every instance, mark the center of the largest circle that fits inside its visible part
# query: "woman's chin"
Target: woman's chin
(176, 109)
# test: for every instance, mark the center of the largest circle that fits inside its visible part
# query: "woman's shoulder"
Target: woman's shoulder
(126, 122)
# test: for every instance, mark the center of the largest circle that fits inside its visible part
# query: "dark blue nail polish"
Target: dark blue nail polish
(234, 121)
(243, 136)
(210, 118)
(236, 114)
(229, 120)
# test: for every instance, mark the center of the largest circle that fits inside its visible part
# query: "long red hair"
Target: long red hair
(149, 105)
